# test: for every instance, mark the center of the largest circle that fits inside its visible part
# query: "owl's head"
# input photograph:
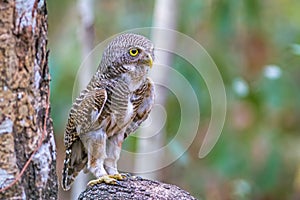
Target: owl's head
(128, 53)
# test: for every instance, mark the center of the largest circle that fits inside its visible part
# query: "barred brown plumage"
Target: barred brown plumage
(114, 104)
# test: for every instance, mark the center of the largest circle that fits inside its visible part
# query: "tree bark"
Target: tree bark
(27, 148)
(135, 188)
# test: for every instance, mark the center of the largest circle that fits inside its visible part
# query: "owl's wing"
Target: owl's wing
(142, 101)
(82, 119)
(84, 114)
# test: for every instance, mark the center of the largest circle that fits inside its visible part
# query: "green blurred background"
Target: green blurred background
(256, 46)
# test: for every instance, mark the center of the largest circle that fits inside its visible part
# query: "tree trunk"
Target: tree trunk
(135, 188)
(27, 148)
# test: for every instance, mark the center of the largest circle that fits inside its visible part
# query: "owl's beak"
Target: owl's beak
(149, 60)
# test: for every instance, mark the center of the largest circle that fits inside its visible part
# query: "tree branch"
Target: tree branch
(135, 188)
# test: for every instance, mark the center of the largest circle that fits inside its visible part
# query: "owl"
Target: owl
(116, 101)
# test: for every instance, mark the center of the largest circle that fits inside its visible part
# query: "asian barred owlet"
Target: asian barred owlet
(114, 104)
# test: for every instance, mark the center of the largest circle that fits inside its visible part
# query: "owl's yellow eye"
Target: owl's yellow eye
(134, 52)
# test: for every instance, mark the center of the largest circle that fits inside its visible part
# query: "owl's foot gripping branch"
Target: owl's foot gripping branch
(108, 179)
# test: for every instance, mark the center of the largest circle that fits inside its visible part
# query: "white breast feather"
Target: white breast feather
(129, 111)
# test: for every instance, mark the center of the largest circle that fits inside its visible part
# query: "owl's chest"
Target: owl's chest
(124, 115)
(119, 114)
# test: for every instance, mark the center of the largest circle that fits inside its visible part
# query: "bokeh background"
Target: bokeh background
(256, 46)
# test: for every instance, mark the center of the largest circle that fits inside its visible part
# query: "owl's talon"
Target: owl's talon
(108, 179)
(119, 177)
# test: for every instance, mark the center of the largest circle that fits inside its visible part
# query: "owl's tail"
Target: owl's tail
(75, 160)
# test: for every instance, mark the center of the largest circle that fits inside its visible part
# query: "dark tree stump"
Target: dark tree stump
(135, 188)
